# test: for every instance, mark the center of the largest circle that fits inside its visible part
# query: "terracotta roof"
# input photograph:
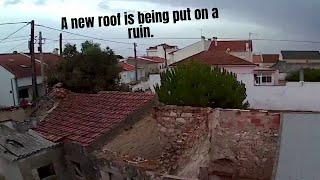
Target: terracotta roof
(127, 67)
(165, 45)
(257, 59)
(216, 58)
(19, 65)
(82, 118)
(270, 58)
(236, 46)
(49, 58)
(152, 59)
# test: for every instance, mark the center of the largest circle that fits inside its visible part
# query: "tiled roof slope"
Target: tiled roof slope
(216, 58)
(82, 118)
(270, 58)
(19, 65)
(236, 46)
(15, 146)
(127, 67)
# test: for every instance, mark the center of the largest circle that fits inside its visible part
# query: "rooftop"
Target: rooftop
(300, 55)
(127, 67)
(270, 58)
(167, 46)
(151, 59)
(15, 146)
(20, 64)
(82, 118)
(233, 46)
(216, 58)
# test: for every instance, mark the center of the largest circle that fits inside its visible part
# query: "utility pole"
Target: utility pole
(41, 61)
(165, 56)
(60, 44)
(33, 64)
(136, 61)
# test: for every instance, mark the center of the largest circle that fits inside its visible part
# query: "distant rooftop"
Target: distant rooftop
(233, 46)
(216, 58)
(15, 146)
(286, 55)
(167, 46)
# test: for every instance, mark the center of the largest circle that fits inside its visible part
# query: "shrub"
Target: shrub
(196, 84)
(310, 75)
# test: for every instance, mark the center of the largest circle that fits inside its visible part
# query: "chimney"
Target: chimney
(56, 51)
(215, 39)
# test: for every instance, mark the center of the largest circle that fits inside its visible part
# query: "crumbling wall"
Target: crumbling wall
(244, 143)
(186, 129)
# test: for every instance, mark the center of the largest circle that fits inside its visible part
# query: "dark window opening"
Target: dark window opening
(77, 169)
(14, 143)
(46, 171)
(23, 93)
(110, 176)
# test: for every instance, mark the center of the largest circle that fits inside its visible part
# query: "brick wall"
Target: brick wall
(242, 143)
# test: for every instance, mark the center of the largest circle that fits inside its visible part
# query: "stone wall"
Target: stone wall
(242, 143)
(186, 129)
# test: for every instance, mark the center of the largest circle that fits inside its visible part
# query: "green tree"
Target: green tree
(310, 75)
(196, 84)
(89, 71)
(69, 51)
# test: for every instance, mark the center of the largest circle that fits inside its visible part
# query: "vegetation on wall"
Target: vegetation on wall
(310, 75)
(196, 84)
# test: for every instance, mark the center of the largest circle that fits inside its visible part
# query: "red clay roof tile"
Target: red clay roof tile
(82, 118)
(236, 46)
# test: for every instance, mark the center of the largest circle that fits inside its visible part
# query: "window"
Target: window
(46, 171)
(262, 79)
(23, 93)
(77, 169)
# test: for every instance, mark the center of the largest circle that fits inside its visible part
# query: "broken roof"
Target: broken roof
(82, 118)
(300, 55)
(216, 58)
(15, 146)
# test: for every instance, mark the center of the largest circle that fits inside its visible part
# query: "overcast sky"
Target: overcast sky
(266, 19)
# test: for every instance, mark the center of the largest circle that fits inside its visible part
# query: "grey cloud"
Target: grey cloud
(290, 16)
(11, 2)
(40, 2)
(103, 5)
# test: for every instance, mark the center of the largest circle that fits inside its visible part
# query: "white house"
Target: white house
(150, 64)
(195, 48)
(128, 73)
(15, 78)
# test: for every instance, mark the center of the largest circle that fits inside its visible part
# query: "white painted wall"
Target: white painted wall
(130, 76)
(239, 69)
(190, 50)
(6, 98)
(153, 80)
(294, 96)
(27, 81)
